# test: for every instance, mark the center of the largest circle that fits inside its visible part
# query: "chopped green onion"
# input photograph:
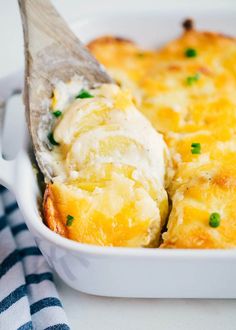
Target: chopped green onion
(83, 94)
(57, 113)
(192, 79)
(214, 220)
(190, 52)
(195, 148)
(196, 145)
(69, 220)
(52, 140)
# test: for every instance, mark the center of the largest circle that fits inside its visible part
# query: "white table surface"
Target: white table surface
(88, 312)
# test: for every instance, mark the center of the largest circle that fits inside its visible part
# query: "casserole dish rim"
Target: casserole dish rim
(42, 230)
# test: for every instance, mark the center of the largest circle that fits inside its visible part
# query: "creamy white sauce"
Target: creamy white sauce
(66, 92)
(81, 132)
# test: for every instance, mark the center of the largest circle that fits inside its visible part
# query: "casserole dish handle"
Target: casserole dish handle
(7, 167)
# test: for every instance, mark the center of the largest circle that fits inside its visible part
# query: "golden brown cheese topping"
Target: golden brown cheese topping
(187, 90)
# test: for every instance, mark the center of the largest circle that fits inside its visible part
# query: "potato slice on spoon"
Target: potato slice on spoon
(106, 175)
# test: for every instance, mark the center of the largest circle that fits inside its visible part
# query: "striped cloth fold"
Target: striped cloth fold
(28, 297)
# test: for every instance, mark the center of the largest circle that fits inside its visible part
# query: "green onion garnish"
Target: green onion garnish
(190, 52)
(195, 148)
(52, 140)
(69, 220)
(214, 220)
(83, 94)
(57, 113)
(192, 79)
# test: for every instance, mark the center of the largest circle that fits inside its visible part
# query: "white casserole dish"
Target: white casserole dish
(126, 272)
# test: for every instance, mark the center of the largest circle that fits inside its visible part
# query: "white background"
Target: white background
(88, 312)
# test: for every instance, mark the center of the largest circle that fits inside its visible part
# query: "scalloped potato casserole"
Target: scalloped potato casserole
(150, 161)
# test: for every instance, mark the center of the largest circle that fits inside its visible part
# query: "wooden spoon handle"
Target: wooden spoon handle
(44, 28)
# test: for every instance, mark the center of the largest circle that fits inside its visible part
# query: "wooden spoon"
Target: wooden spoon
(52, 52)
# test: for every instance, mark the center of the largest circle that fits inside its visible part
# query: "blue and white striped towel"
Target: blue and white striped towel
(28, 297)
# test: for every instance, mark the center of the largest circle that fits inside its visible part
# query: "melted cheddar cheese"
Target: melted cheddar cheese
(190, 100)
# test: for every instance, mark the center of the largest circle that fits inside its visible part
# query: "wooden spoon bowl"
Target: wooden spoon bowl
(52, 53)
